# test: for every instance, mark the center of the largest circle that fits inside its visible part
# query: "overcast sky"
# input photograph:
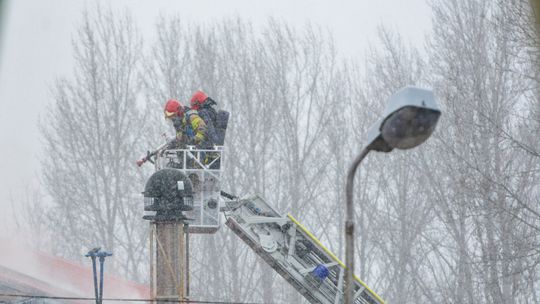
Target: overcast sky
(37, 50)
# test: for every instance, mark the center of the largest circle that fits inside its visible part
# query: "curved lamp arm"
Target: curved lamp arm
(349, 227)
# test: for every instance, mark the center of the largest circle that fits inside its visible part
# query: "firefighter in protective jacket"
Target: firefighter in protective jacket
(204, 105)
(190, 128)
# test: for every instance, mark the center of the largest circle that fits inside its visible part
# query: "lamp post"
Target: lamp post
(409, 119)
(93, 254)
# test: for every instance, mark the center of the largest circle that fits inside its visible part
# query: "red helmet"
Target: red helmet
(198, 99)
(173, 107)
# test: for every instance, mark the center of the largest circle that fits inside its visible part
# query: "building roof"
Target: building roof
(27, 271)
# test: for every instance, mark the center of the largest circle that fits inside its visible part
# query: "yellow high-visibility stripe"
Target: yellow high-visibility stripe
(314, 239)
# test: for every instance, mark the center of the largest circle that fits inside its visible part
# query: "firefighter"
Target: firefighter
(216, 125)
(205, 107)
(190, 128)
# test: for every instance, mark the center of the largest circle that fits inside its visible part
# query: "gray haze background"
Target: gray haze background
(37, 50)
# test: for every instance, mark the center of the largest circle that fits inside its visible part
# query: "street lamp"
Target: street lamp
(409, 119)
(93, 254)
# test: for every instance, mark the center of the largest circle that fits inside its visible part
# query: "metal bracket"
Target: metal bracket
(268, 243)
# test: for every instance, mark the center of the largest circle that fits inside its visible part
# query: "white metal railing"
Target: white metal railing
(190, 158)
(203, 167)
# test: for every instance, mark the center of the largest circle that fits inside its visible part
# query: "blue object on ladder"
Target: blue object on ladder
(320, 272)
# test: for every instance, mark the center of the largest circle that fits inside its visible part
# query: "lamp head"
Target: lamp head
(409, 119)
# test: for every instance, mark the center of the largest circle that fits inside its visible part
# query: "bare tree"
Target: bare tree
(90, 135)
(472, 60)
(30, 220)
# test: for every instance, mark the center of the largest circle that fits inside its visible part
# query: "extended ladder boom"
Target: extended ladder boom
(291, 250)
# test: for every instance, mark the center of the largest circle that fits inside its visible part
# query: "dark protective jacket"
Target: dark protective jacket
(209, 115)
(216, 122)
